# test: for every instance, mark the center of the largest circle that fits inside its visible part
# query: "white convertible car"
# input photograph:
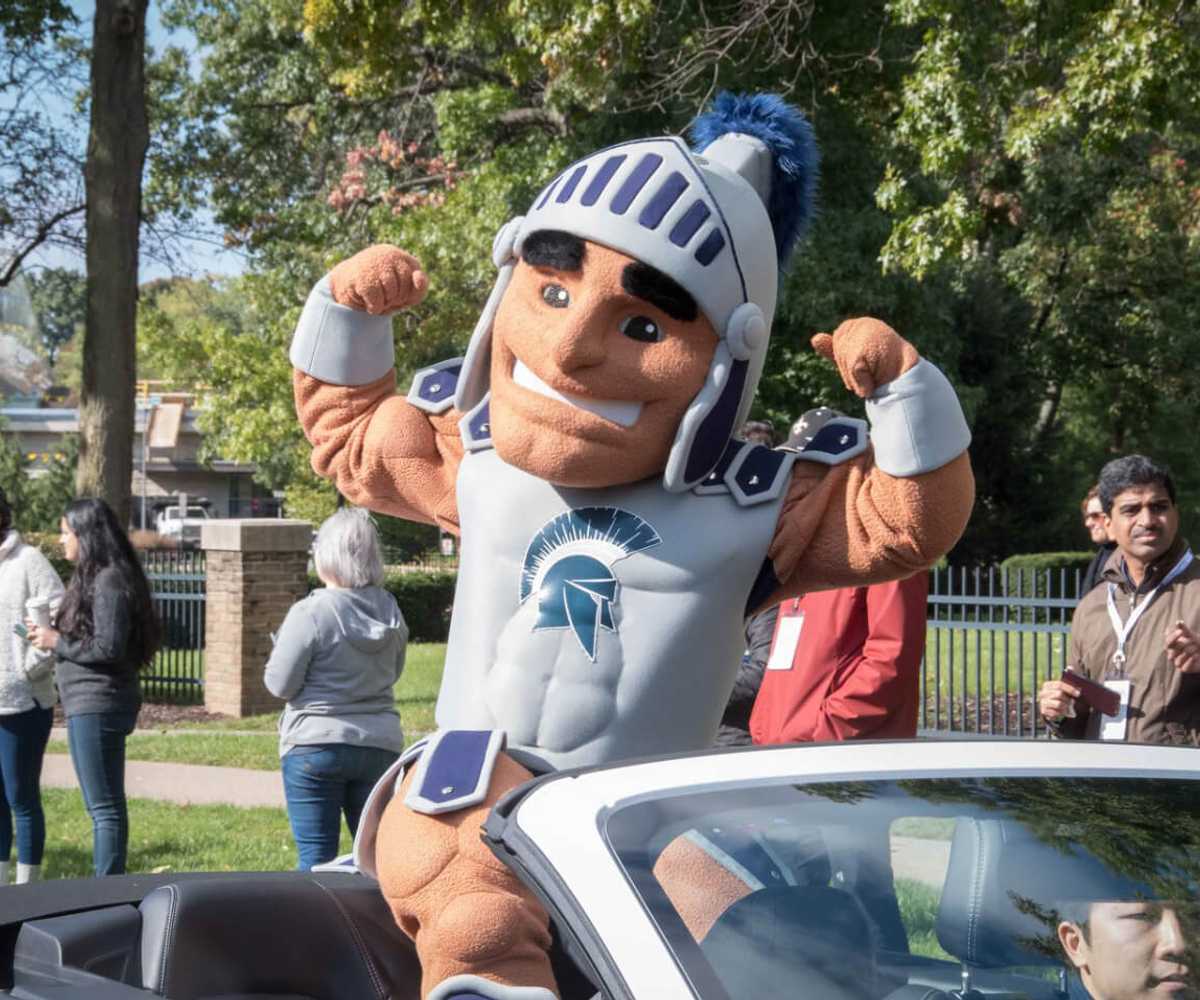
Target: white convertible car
(875, 871)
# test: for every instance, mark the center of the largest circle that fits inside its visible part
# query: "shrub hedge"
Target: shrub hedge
(47, 543)
(1032, 571)
(425, 599)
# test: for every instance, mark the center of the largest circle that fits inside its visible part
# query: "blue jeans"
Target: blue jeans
(97, 743)
(23, 739)
(321, 782)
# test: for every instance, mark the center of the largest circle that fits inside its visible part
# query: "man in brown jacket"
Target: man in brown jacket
(1136, 633)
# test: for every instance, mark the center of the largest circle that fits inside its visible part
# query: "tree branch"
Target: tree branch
(43, 233)
(550, 120)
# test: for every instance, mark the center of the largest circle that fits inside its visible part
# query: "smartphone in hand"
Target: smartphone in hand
(1093, 694)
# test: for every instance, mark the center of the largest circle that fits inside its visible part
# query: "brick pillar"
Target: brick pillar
(257, 569)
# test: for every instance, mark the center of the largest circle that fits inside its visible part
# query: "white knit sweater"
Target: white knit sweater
(26, 673)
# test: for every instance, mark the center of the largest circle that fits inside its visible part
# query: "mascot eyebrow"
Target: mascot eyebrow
(561, 251)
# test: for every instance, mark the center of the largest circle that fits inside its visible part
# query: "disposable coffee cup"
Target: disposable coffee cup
(38, 610)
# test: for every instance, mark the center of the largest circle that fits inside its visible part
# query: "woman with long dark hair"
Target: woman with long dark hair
(104, 633)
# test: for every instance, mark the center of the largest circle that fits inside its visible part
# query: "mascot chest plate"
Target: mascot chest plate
(596, 624)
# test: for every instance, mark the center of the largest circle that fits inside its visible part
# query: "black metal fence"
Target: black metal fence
(177, 582)
(993, 637)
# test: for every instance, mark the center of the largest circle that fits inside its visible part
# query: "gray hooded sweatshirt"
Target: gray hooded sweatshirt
(336, 657)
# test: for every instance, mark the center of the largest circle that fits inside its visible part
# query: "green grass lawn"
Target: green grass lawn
(166, 837)
(918, 909)
(252, 742)
(259, 751)
(417, 689)
(951, 657)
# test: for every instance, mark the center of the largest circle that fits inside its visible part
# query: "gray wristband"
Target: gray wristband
(340, 345)
(917, 424)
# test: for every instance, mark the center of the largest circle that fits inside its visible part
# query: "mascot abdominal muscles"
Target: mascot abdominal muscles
(615, 533)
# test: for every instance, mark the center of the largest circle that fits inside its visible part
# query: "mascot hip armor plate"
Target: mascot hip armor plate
(615, 532)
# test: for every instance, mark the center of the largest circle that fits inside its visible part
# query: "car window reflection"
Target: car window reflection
(1016, 887)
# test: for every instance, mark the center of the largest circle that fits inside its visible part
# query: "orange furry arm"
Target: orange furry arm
(381, 451)
(853, 524)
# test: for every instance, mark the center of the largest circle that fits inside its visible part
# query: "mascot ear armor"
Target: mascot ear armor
(504, 246)
(746, 332)
(475, 377)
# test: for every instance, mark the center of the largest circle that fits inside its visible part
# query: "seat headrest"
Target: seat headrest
(1002, 890)
(274, 937)
(768, 941)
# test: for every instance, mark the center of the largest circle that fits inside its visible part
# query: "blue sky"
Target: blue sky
(197, 256)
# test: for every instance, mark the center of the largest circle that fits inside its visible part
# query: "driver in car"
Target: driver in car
(615, 531)
(1131, 950)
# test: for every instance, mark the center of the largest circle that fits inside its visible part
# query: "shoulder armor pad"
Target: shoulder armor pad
(758, 474)
(455, 770)
(475, 428)
(432, 388)
(836, 440)
(714, 482)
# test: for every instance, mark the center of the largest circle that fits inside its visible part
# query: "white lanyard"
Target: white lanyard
(1123, 631)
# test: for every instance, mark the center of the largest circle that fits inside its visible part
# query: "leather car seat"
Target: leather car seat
(997, 905)
(769, 941)
(295, 938)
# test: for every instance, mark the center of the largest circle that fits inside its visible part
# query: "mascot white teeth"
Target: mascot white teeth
(615, 532)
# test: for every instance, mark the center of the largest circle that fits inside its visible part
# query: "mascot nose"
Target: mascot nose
(578, 343)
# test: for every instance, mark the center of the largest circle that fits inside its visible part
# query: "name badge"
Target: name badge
(1112, 727)
(787, 638)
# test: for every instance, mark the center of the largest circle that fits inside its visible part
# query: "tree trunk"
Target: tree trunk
(113, 175)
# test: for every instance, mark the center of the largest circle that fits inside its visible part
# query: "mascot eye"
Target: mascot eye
(641, 328)
(556, 296)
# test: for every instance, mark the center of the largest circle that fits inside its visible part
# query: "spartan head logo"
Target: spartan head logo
(568, 567)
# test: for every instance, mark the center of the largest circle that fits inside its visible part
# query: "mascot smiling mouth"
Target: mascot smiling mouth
(617, 411)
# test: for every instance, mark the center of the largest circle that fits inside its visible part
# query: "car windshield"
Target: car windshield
(1028, 887)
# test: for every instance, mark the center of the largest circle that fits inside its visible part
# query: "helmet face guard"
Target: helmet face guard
(702, 220)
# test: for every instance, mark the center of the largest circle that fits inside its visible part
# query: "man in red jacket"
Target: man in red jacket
(844, 665)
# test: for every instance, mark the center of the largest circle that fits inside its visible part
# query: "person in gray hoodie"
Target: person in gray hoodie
(336, 658)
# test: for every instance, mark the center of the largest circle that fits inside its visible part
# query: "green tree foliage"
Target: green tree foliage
(1012, 185)
(1046, 164)
(38, 501)
(59, 299)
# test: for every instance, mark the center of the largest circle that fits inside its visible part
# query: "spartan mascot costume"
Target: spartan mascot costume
(614, 532)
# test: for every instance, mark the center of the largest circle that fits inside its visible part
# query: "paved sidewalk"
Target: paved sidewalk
(186, 784)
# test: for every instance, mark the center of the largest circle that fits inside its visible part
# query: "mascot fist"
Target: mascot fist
(867, 353)
(378, 280)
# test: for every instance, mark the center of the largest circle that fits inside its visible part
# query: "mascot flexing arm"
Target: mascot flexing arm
(615, 534)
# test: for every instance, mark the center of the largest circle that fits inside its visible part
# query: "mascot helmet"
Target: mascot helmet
(704, 217)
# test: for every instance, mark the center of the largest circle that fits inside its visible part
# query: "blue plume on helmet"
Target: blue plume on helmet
(788, 135)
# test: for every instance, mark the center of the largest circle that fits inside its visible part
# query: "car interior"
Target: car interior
(871, 891)
(283, 936)
(852, 892)
(324, 937)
